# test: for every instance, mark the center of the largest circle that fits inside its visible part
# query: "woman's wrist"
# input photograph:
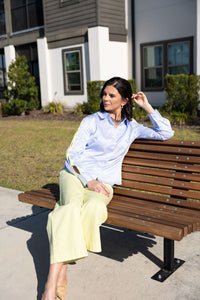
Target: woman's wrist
(148, 108)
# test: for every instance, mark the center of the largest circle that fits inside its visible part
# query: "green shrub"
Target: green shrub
(21, 85)
(133, 85)
(138, 112)
(54, 107)
(15, 107)
(81, 108)
(182, 92)
(93, 91)
(179, 118)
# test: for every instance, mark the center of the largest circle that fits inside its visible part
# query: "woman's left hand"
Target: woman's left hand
(99, 187)
(141, 100)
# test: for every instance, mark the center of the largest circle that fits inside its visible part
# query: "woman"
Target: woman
(92, 166)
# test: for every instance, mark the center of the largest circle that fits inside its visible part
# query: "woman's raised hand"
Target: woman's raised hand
(141, 100)
(99, 187)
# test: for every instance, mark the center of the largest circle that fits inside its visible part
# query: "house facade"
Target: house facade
(70, 42)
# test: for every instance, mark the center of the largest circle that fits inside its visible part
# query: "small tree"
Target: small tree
(21, 85)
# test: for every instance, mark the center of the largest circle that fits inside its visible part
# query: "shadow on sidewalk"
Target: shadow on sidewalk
(117, 243)
(120, 243)
(38, 244)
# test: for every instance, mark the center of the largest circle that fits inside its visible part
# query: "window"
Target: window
(30, 52)
(2, 19)
(2, 74)
(26, 14)
(158, 59)
(73, 78)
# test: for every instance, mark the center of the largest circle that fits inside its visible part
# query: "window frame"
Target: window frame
(76, 92)
(3, 26)
(165, 65)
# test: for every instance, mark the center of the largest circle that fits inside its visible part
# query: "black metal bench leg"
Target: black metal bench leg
(171, 264)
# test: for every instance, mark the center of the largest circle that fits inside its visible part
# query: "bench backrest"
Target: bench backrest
(162, 171)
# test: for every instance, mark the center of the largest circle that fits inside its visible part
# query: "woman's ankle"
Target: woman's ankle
(62, 283)
(50, 291)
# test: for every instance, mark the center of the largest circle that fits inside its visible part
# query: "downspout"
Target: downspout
(133, 36)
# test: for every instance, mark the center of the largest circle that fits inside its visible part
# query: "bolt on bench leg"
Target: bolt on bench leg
(171, 264)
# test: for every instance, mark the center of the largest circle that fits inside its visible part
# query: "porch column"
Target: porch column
(44, 71)
(9, 55)
(98, 43)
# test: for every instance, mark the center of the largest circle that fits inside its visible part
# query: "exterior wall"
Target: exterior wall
(68, 25)
(102, 59)
(58, 18)
(111, 14)
(159, 20)
(55, 83)
(107, 59)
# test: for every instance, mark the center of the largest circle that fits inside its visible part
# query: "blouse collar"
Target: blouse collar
(106, 115)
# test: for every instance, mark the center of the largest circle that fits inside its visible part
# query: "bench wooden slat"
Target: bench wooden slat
(155, 217)
(37, 199)
(158, 198)
(162, 181)
(192, 144)
(143, 203)
(163, 165)
(163, 149)
(163, 212)
(157, 208)
(127, 221)
(163, 157)
(161, 173)
(161, 189)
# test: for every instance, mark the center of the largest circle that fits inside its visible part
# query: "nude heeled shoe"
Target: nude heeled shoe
(43, 297)
(61, 292)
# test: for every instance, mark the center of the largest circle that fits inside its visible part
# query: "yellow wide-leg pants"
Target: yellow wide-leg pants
(73, 225)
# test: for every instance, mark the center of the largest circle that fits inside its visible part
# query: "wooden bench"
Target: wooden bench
(159, 195)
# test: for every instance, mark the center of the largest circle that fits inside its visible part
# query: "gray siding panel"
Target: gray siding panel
(76, 15)
(112, 14)
(63, 23)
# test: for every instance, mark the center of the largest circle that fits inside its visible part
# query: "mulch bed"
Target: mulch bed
(40, 115)
(71, 116)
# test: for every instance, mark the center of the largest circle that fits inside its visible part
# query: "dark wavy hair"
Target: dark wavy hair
(124, 89)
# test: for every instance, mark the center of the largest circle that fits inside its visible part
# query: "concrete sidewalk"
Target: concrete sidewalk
(121, 272)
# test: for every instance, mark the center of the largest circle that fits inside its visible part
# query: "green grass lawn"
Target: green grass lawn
(32, 152)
